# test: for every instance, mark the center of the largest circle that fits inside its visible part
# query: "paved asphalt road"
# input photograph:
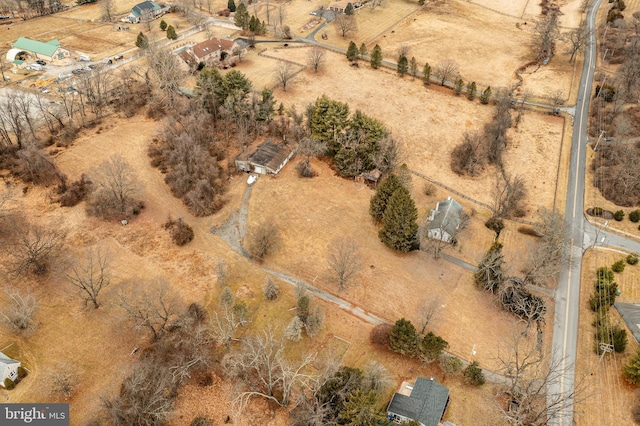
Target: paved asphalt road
(565, 327)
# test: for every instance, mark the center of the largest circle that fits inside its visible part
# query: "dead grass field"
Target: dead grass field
(609, 399)
(93, 12)
(428, 121)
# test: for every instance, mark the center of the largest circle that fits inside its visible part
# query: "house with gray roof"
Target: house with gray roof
(630, 313)
(445, 220)
(266, 158)
(8, 369)
(425, 401)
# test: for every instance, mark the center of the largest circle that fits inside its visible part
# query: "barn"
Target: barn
(266, 158)
(49, 51)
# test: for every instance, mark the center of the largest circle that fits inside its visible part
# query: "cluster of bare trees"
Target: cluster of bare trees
(28, 9)
(545, 260)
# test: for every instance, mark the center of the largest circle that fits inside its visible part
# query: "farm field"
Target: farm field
(606, 398)
(437, 122)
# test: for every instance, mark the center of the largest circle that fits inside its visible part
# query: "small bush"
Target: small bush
(200, 421)
(632, 259)
(450, 365)
(429, 189)
(305, 170)
(597, 211)
(619, 215)
(495, 224)
(380, 335)
(76, 192)
(180, 232)
(618, 266)
(9, 384)
(634, 216)
(270, 289)
(22, 372)
(526, 230)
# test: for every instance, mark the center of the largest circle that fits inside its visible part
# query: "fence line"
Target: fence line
(466, 197)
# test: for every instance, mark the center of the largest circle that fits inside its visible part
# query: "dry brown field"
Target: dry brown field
(429, 122)
(605, 398)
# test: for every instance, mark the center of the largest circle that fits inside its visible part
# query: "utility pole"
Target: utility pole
(598, 141)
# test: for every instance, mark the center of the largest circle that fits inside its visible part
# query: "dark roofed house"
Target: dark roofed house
(267, 158)
(630, 313)
(425, 402)
(445, 220)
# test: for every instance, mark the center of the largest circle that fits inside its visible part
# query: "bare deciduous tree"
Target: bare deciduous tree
(575, 39)
(530, 400)
(345, 24)
(508, 195)
(315, 58)
(264, 370)
(63, 380)
(344, 260)
(150, 305)
(546, 259)
(33, 248)
(19, 309)
(446, 70)
(108, 9)
(470, 156)
(284, 74)
(263, 239)
(91, 275)
(545, 35)
(117, 187)
(309, 148)
(168, 73)
(427, 312)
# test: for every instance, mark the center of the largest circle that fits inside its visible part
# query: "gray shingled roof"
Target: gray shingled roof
(630, 313)
(447, 216)
(427, 402)
(269, 155)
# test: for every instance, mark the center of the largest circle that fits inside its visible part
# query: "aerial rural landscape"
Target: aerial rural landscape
(315, 212)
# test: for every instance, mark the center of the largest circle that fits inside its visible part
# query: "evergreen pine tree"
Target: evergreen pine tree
(171, 33)
(376, 57)
(471, 91)
(473, 374)
(360, 409)
(163, 25)
(254, 25)
(413, 67)
(241, 17)
(632, 369)
(399, 227)
(431, 347)
(403, 65)
(352, 51)
(403, 338)
(426, 73)
(486, 95)
(349, 9)
(142, 41)
(379, 201)
(231, 5)
(459, 84)
(363, 53)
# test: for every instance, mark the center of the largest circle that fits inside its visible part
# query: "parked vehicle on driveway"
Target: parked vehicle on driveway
(41, 62)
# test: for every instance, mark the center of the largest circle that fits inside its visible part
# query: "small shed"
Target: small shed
(426, 402)
(266, 158)
(445, 220)
(8, 368)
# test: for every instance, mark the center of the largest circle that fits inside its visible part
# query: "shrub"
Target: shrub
(495, 224)
(527, 230)
(76, 192)
(305, 170)
(634, 216)
(618, 266)
(22, 372)
(632, 259)
(473, 374)
(597, 211)
(619, 215)
(429, 189)
(9, 384)
(200, 421)
(180, 232)
(450, 365)
(380, 335)
(270, 289)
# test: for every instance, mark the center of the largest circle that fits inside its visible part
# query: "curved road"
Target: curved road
(560, 390)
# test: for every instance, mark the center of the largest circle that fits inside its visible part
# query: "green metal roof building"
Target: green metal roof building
(50, 50)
